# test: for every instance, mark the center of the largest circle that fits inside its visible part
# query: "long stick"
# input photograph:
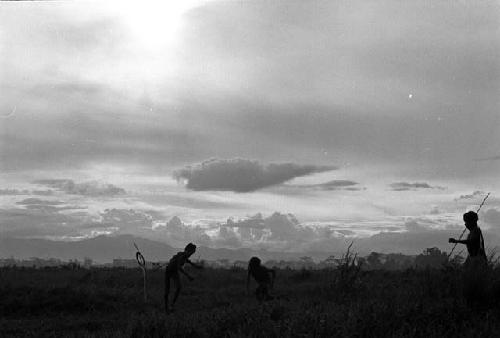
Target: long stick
(142, 264)
(463, 232)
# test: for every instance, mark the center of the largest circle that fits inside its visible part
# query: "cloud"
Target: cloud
(201, 202)
(405, 186)
(242, 175)
(251, 229)
(179, 233)
(47, 206)
(37, 201)
(41, 218)
(415, 226)
(437, 61)
(227, 237)
(277, 230)
(346, 232)
(253, 222)
(303, 190)
(470, 196)
(13, 192)
(492, 217)
(42, 192)
(284, 232)
(41, 221)
(19, 192)
(92, 188)
(334, 185)
(126, 219)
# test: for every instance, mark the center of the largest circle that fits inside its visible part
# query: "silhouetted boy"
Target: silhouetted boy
(474, 241)
(172, 272)
(263, 276)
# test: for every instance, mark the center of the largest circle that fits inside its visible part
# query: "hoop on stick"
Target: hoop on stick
(463, 232)
(142, 264)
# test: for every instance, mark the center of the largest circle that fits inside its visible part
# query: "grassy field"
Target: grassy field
(326, 303)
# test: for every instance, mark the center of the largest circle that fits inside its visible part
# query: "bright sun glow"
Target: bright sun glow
(155, 23)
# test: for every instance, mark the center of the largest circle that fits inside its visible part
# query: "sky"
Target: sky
(284, 125)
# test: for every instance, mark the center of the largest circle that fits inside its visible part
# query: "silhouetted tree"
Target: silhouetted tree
(431, 257)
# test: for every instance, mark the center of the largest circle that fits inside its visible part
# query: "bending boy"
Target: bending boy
(263, 276)
(172, 272)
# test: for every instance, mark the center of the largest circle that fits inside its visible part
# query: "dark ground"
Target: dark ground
(109, 303)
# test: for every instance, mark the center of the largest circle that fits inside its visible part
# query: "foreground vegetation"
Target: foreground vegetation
(344, 302)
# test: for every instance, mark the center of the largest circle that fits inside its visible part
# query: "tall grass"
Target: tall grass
(345, 302)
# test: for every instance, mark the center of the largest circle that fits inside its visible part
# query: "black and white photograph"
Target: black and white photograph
(250, 168)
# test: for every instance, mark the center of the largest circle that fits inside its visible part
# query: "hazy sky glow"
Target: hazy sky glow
(354, 117)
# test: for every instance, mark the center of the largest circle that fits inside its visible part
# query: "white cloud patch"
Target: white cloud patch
(278, 230)
(253, 222)
(179, 233)
(127, 219)
(91, 188)
(242, 175)
(227, 237)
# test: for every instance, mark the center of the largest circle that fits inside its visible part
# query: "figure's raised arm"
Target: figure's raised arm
(459, 241)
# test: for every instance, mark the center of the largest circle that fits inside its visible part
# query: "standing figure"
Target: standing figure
(474, 241)
(263, 276)
(172, 273)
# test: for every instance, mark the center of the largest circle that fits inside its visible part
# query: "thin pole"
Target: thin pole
(142, 264)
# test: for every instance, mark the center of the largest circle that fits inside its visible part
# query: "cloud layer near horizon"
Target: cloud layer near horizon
(52, 218)
(242, 175)
(92, 188)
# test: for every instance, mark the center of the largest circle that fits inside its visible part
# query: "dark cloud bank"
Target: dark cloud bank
(242, 175)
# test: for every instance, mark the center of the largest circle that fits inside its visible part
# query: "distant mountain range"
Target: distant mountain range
(104, 249)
